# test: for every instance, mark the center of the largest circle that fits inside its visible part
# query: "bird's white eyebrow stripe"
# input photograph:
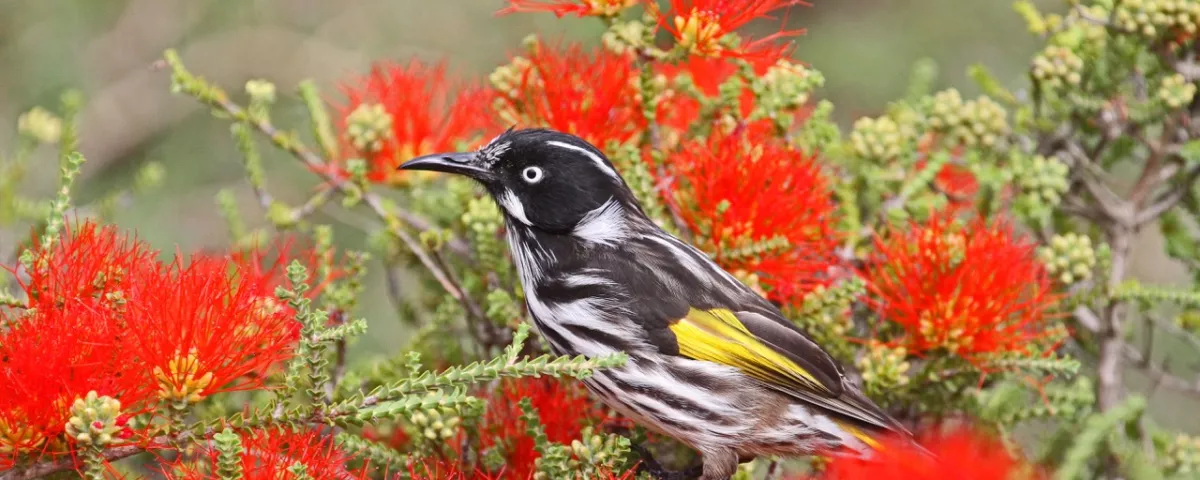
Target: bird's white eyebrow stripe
(595, 158)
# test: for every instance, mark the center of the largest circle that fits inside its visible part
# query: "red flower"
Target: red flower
(398, 112)
(444, 470)
(959, 454)
(269, 455)
(579, 8)
(87, 263)
(563, 408)
(204, 329)
(740, 190)
(590, 95)
(701, 25)
(969, 289)
(49, 358)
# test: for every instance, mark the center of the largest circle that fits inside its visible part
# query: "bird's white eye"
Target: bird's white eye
(532, 175)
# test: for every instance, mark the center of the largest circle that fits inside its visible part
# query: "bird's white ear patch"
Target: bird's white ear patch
(509, 201)
(605, 225)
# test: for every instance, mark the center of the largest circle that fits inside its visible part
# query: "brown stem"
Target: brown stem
(1110, 388)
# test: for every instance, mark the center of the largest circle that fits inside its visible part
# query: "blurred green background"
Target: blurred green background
(106, 48)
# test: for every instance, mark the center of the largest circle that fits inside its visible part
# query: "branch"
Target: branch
(1169, 199)
(1159, 375)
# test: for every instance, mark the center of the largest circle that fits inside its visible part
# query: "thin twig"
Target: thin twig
(1168, 200)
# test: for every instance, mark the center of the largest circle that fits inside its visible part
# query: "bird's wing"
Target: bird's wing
(780, 356)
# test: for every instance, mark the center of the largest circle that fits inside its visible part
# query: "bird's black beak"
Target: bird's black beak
(461, 163)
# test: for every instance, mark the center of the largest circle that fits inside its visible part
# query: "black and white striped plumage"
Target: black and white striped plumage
(600, 277)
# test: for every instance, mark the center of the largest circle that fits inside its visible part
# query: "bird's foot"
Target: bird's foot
(651, 466)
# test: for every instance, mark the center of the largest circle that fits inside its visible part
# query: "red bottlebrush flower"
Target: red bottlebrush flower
(87, 263)
(579, 8)
(590, 95)
(563, 408)
(398, 112)
(203, 330)
(701, 25)
(739, 190)
(960, 454)
(50, 357)
(272, 262)
(444, 470)
(969, 289)
(269, 455)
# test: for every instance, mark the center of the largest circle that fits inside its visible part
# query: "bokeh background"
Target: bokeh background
(107, 48)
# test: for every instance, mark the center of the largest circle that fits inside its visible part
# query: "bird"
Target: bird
(710, 362)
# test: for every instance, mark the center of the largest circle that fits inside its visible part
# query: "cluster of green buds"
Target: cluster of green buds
(1069, 257)
(976, 123)
(96, 420)
(368, 127)
(1152, 18)
(624, 37)
(506, 79)
(40, 125)
(262, 95)
(435, 423)
(1189, 320)
(785, 86)
(501, 308)
(879, 139)
(482, 220)
(824, 314)
(1183, 455)
(884, 368)
(1175, 91)
(1042, 181)
(1057, 67)
(592, 455)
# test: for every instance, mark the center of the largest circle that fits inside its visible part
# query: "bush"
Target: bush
(968, 258)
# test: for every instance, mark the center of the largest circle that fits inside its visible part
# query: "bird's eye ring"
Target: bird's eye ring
(532, 175)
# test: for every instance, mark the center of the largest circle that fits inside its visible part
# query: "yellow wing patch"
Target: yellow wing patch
(718, 336)
(861, 435)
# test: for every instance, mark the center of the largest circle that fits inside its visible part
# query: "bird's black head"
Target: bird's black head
(542, 178)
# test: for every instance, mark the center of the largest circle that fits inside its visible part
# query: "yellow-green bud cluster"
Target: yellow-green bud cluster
(506, 79)
(41, 125)
(436, 424)
(1175, 91)
(1183, 456)
(883, 368)
(482, 220)
(94, 420)
(501, 308)
(1069, 257)
(1057, 67)
(624, 37)
(368, 126)
(261, 91)
(1152, 18)
(590, 456)
(1042, 181)
(786, 86)
(878, 138)
(974, 123)
(1189, 320)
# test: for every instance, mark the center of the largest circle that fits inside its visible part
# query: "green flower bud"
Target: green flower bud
(1069, 257)
(41, 125)
(1176, 92)
(976, 123)
(261, 91)
(368, 127)
(1057, 67)
(95, 420)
